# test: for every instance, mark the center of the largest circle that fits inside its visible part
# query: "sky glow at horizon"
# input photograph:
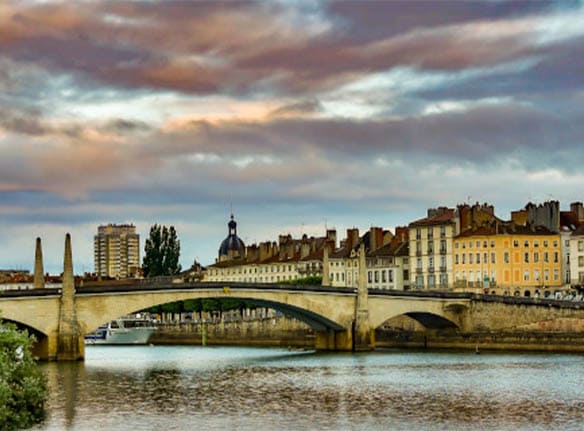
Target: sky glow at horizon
(297, 114)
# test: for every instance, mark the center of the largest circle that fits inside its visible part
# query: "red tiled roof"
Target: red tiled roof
(446, 217)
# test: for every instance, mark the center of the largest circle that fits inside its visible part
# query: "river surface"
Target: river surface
(232, 388)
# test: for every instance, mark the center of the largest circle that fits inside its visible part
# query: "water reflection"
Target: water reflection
(174, 387)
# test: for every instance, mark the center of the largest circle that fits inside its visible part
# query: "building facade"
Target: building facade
(269, 262)
(116, 251)
(430, 249)
(386, 260)
(508, 260)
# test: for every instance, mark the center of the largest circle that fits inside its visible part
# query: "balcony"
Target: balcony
(431, 269)
(418, 253)
(443, 269)
(419, 271)
(443, 251)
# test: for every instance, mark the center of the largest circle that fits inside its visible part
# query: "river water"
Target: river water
(233, 388)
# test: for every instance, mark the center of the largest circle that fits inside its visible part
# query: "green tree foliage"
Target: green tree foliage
(161, 252)
(312, 280)
(23, 388)
(204, 304)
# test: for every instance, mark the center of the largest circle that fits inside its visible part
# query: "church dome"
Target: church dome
(232, 247)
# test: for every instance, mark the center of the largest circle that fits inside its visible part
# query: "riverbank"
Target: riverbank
(288, 332)
(269, 332)
(508, 341)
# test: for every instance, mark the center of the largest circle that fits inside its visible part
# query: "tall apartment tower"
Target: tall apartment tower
(116, 250)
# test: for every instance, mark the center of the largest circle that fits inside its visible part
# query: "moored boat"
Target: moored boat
(134, 329)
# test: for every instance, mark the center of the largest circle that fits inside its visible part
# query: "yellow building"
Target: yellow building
(508, 260)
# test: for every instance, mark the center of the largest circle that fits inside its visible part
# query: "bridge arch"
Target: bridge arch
(319, 311)
(432, 314)
(315, 321)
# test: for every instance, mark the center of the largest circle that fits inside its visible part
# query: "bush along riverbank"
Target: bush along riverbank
(23, 388)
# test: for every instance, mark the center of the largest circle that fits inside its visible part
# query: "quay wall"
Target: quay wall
(270, 332)
(484, 340)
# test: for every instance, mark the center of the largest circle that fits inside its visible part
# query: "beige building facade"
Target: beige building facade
(116, 251)
(430, 249)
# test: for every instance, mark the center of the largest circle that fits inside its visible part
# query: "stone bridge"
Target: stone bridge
(342, 318)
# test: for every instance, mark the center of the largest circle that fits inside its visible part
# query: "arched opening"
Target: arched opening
(527, 293)
(190, 330)
(40, 345)
(414, 329)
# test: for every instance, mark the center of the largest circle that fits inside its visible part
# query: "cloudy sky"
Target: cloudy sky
(297, 114)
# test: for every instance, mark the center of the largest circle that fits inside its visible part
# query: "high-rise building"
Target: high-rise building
(116, 251)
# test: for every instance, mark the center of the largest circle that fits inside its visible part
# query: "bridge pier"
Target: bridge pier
(363, 335)
(331, 340)
(70, 342)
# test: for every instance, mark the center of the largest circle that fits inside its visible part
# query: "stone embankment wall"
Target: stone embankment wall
(558, 335)
(518, 341)
(273, 332)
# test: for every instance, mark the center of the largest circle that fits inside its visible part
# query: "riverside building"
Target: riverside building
(116, 250)
(269, 262)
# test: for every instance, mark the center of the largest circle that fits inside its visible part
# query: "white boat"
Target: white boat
(125, 330)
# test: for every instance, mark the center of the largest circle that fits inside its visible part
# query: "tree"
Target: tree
(161, 252)
(23, 388)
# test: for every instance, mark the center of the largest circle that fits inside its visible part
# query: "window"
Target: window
(555, 257)
(430, 233)
(485, 244)
(377, 276)
(431, 281)
(515, 243)
(419, 263)
(431, 262)
(526, 257)
(456, 259)
(383, 276)
(546, 274)
(456, 245)
(555, 242)
(526, 244)
(580, 245)
(369, 277)
(390, 273)
(470, 256)
(442, 231)
(536, 257)
(545, 243)
(463, 258)
(546, 256)
(443, 262)
(580, 261)
(506, 257)
(556, 274)
(418, 233)
(470, 244)
(536, 243)
(492, 244)
(526, 275)
(478, 244)
(430, 247)
(478, 258)
(536, 274)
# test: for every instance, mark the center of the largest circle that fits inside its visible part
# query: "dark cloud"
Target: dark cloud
(228, 49)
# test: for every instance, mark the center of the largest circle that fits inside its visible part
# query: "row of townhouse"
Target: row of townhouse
(269, 262)
(538, 252)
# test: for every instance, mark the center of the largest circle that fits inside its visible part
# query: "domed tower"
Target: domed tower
(232, 247)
